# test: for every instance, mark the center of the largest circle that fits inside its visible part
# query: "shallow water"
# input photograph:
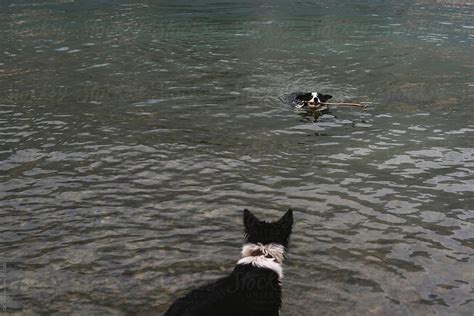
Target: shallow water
(133, 133)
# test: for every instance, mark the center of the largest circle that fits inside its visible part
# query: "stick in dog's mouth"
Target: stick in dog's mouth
(320, 104)
(358, 105)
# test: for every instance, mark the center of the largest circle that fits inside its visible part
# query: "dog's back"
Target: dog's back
(248, 290)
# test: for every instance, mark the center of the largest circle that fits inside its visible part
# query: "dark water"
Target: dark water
(133, 133)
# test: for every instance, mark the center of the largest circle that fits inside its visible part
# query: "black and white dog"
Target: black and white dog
(254, 286)
(310, 99)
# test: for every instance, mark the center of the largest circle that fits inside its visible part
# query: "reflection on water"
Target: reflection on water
(133, 134)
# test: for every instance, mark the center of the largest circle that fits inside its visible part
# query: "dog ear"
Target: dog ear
(287, 220)
(249, 219)
(324, 97)
(305, 97)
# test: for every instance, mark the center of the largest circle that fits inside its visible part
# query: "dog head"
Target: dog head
(278, 232)
(313, 98)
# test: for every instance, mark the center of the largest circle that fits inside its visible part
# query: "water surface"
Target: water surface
(133, 134)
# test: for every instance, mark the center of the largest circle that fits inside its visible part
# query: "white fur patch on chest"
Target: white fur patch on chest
(264, 256)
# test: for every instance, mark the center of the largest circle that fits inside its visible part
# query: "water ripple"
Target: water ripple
(129, 155)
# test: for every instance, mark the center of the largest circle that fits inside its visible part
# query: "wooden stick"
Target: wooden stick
(346, 104)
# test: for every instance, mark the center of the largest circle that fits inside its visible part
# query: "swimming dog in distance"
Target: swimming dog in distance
(310, 99)
(254, 286)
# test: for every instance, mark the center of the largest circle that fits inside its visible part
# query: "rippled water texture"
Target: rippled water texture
(133, 133)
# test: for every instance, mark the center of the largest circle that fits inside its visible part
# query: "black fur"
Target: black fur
(248, 290)
(258, 231)
(304, 97)
(324, 97)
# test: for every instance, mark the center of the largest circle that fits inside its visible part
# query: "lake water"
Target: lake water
(134, 133)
